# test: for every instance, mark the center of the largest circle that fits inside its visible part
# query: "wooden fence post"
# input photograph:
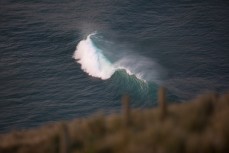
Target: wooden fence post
(126, 109)
(162, 102)
(64, 139)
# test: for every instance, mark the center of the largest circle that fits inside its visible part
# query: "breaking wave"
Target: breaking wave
(94, 62)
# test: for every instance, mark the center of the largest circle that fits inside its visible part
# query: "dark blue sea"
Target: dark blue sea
(61, 60)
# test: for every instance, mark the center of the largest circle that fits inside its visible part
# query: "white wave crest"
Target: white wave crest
(94, 63)
(92, 60)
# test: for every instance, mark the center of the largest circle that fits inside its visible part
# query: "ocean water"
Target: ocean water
(67, 59)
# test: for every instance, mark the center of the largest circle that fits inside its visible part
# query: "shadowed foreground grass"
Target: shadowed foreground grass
(198, 126)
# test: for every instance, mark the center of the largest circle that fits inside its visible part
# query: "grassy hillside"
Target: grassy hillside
(197, 126)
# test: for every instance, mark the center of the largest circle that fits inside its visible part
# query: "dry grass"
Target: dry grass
(198, 126)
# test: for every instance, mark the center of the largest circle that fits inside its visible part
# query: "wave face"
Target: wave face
(96, 64)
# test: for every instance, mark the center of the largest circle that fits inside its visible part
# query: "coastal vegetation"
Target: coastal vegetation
(197, 126)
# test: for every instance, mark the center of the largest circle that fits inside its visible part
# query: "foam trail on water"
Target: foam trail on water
(92, 59)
